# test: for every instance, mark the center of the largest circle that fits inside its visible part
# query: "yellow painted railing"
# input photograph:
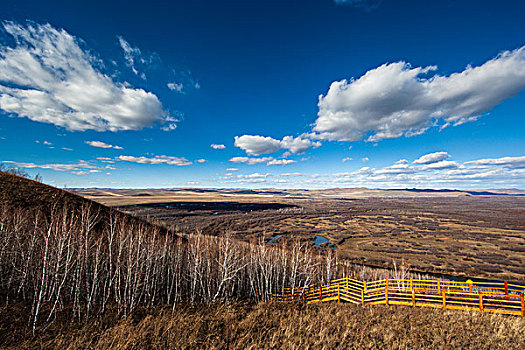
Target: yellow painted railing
(493, 297)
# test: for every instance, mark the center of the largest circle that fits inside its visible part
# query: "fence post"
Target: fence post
(364, 284)
(506, 284)
(480, 301)
(411, 284)
(469, 286)
(338, 293)
(320, 292)
(362, 297)
(346, 282)
(522, 305)
(386, 290)
(439, 285)
(444, 300)
(413, 298)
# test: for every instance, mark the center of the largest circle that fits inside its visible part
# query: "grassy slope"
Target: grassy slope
(277, 326)
(24, 193)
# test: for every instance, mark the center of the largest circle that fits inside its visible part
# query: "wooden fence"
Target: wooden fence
(495, 297)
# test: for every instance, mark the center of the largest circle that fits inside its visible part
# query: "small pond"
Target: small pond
(273, 239)
(320, 240)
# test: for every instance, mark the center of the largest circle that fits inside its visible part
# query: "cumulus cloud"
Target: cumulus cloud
(396, 99)
(250, 160)
(432, 158)
(281, 162)
(201, 161)
(217, 146)
(502, 172)
(101, 144)
(256, 145)
(298, 144)
(365, 159)
(510, 162)
(179, 161)
(47, 77)
(347, 159)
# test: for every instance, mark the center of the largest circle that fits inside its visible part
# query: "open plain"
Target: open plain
(462, 233)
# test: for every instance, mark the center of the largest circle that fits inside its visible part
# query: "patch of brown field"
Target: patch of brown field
(273, 326)
(478, 236)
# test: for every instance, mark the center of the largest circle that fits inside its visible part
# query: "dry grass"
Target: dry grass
(278, 326)
(479, 236)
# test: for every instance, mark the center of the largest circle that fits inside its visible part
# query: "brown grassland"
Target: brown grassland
(272, 326)
(186, 272)
(449, 233)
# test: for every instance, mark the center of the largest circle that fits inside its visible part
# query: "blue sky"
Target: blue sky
(291, 94)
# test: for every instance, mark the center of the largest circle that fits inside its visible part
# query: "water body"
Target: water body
(273, 239)
(320, 240)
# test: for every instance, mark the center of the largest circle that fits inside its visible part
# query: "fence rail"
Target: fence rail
(493, 297)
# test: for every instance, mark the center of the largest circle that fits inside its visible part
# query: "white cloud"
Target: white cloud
(365, 159)
(179, 161)
(101, 144)
(253, 176)
(232, 169)
(201, 161)
(256, 145)
(183, 81)
(217, 146)
(509, 162)
(176, 87)
(169, 127)
(47, 143)
(281, 162)
(298, 144)
(47, 77)
(443, 164)
(106, 160)
(81, 165)
(432, 158)
(395, 99)
(255, 160)
(250, 161)
(502, 172)
(132, 55)
(347, 159)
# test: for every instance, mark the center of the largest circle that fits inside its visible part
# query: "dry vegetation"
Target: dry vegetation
(75, 274)
(273, 326)
(476, 236)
